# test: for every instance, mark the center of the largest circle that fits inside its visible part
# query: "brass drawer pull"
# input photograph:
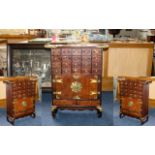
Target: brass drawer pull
(57, 81)
(57, 93)
(94, 81)
(94, 93)
(24, 103)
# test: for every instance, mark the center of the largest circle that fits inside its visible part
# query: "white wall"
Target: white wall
(13, 31)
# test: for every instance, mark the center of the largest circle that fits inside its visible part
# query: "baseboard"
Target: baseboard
(3, 103)
(152, 103)
(107, 84)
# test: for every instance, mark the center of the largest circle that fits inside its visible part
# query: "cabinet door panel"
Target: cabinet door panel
(24, 104)
(83, 87)
(132, 105)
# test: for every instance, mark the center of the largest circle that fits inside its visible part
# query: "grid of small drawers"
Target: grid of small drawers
(76, 60)
(133, 89)
(21, 89)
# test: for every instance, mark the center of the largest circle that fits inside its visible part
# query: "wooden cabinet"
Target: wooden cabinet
(76, 78)
(20, 93)
(134, 96)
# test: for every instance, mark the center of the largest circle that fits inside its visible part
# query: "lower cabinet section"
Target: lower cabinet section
(76, 105)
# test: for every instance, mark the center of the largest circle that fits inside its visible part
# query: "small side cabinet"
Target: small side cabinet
(134, 95)
(20, 93)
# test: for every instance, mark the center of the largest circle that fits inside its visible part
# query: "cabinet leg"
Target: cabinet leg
(54, 111)
(99, 111)
(144, 120)
(11, 120)
(147, 118)
(121, 115)
(33, 115)
(99, 114)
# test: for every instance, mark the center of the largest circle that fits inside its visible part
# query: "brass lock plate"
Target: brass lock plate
(24, 103)
(130, 103)
(76, 86)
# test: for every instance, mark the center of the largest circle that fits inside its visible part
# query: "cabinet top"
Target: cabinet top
(97, 45)
(105, 45)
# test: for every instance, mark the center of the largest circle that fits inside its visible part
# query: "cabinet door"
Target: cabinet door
(76, 86)
(23, 105)
(131, 105)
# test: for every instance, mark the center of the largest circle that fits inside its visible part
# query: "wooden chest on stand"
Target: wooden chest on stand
(20, 94)
(76, 78)
(134, 98)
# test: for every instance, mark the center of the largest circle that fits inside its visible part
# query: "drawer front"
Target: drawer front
(86, 63)
(56, 62)
(86, 70)
(76, 51)
(74, 103)
(64, 103)
(96, 52)
(66, 61)
(56, 58)
(89, 103)
(56, 52)
(132, 113)
(66, 70)
(96, 58)
(77, 60)
(76, 69)
(96, 71)
(86, 58)
(86, 51)
(56, 71)
(132, 89)
(23, 89)
(66, 51)
(56, 65)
